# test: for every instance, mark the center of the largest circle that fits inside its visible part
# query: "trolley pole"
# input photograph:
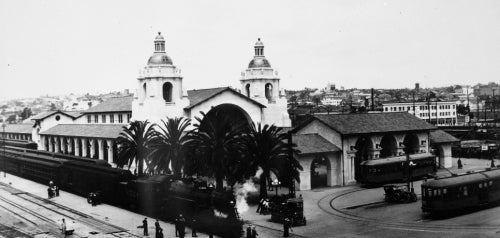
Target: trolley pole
(3, 159)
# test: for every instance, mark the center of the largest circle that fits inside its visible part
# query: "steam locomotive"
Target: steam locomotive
(160, 196)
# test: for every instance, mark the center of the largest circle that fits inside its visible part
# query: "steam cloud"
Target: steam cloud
(241, 195)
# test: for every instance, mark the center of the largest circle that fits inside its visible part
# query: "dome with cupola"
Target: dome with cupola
(259, 61)
(159, 57)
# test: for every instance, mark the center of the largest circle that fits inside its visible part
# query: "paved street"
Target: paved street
(331, 212)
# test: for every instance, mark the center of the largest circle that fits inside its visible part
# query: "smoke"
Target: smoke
(242, 191)
(258, 173)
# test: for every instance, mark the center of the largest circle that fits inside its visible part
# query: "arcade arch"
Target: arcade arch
(320, 172)
(364, 151)
(411, 144)
(389, 146)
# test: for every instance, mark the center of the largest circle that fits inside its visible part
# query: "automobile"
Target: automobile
(292, 208)
(399, 193)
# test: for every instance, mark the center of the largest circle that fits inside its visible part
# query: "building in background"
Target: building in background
(440, 113)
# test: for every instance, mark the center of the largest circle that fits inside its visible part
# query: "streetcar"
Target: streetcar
(460, 192)
(392, 169)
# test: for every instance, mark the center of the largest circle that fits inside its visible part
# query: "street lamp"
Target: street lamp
(410, 180)
(275, 184)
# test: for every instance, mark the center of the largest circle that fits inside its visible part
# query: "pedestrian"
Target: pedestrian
(254, 232)
(259, 207)
(63, 227)
(193, 228)
(182, 226)
(286, 227)
(49, 192)
(94, 199)
(145, 226)
(492, 163)
(459, 163)
(160, 233)
(176, 223)
(157, 228)
(249, 231)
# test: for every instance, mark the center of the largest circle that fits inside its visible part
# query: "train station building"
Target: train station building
(160, 94)
(336, 144)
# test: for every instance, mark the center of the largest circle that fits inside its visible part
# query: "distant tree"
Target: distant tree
(462, 109)
(90, 104)
(53, 107)
(26, 113)
(316, 99)
(11, 119)
(293, 99)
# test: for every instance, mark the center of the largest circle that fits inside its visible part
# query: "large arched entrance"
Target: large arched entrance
(411, 144)
(364, 149)
(320, 167)
(389, 146)
(226, 115)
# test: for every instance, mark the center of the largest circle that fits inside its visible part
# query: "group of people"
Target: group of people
(94, 198)
(52, 190)
(180, 227)
(263, 207)
(251, 232)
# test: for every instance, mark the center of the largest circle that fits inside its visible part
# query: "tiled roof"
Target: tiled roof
(118, 104)
(361, 123)
(18, 128)
(43, 115)
(313, 143)
(198, 96)
(85, 130)
(440, 136)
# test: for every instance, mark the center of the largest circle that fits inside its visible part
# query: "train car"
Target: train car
(19, 144)
(82, 177)
(459, 192)
(36, 168)
(381, 171)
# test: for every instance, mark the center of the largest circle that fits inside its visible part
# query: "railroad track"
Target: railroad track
(38, 219)
(400, 225)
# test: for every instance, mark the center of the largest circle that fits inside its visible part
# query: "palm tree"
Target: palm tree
(267, 150)
(214, 143)
(168, 146)
(133, 144)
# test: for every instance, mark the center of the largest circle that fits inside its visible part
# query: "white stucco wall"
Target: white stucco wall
(316, 127)
(334, 176)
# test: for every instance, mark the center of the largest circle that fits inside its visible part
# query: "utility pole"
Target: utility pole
(429, 106)
(413, 93)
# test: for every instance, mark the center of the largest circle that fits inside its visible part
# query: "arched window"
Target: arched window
(167, 92)
(269, 91)
(248, 89)
(144, 90)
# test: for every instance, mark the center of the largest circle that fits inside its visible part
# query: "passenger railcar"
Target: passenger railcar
(459, 192)
(19, 143)
(381, 171)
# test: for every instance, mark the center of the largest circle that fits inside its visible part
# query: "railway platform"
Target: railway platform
(25, 211)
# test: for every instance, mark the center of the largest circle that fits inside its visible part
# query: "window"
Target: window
(129, 115)
(167, 92)
(103, 118)
(268, 88)
(111, 118)
(248, 91)
(96, 118)
(120, 118)
(89, 119)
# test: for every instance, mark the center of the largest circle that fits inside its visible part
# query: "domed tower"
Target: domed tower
(261, 83)
(159, 92)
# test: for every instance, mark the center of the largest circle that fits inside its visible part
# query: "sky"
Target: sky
(62, 47)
